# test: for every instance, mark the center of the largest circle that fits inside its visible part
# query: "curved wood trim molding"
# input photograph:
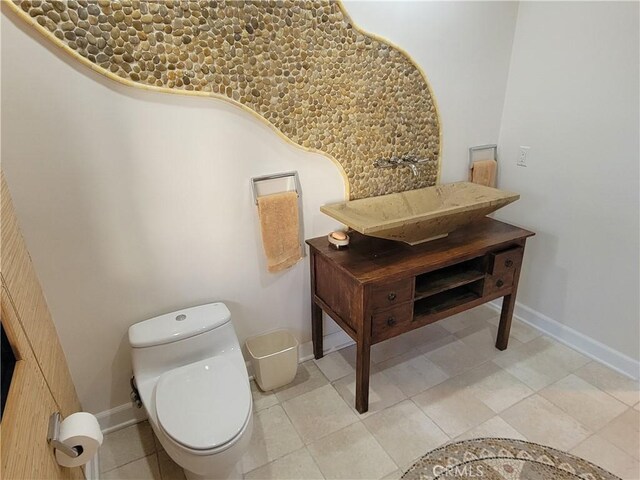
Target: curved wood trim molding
(303, 67)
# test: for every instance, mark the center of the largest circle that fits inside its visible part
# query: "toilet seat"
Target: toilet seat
(204, 405)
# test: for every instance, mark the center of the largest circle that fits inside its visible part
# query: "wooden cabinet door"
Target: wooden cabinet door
(25, 452)
(41, 383)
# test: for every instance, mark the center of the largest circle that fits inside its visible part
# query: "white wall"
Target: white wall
(135, 203)
(464, 49)
(573, 96)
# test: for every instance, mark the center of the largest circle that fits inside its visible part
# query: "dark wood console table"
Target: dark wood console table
(377, 289)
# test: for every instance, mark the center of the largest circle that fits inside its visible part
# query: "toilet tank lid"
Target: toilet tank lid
(179, 325)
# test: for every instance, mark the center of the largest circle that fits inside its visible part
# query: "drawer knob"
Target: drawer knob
(508, 263)
(499, 283)
(391, 296)
(391, 321)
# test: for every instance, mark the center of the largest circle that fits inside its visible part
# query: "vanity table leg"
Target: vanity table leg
(362, 320)
(316, 312)
(362, 376)
(506, 315)
(316, 330)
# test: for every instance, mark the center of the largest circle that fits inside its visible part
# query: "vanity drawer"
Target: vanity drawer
(506, 262)
(389, 294)
(391, 322)
(495, 283)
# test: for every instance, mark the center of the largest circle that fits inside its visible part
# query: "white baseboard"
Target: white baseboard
(120, 417)
(578, 341)
(128, 414)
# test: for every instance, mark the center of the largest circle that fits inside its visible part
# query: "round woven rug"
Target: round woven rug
(503, 459)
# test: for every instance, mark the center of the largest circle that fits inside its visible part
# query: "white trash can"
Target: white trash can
(274, 357)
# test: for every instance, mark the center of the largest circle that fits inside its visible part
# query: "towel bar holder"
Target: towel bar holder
(265, 178)
(296, 187)
(491, 146)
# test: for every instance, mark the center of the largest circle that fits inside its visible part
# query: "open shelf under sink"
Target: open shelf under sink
(432, 283)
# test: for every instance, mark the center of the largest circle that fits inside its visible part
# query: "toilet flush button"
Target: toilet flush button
(181, 317)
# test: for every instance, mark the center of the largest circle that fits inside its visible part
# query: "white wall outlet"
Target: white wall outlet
(523, 156)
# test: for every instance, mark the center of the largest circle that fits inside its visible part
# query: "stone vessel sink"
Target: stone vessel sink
(417, 216)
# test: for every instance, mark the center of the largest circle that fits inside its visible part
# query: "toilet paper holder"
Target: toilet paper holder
(53, 434)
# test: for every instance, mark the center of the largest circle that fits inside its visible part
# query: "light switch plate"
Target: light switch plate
(523, 156)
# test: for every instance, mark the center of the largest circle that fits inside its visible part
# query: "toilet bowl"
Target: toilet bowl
(193, 382)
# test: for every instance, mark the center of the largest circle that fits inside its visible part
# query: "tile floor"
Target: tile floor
(441, 383)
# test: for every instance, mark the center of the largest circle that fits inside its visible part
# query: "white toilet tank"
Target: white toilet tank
(180, 338)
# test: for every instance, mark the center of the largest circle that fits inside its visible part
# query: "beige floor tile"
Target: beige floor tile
(351, 453)
(571, 359)
(405, 432)
(308, 378)
(483, 342)
(273, 437)
(469, 329)
(612, 382)
(145, 468)
(156, 441)
(338, 364)
(476, 317)
(412, 372)
(540, 362)
(382, 392)
(262, 400)
(319, 413)
(430, 337)
(473, 329)
(597, 450)
(295, 466)
(494, 427)
(624, 432)
(584, 402)
(436, 343)
(542, 422)
(637, 407)
(495, 387)
(454, 408)
(519, 330)
(394, 475)
(533, 369)
(126, 445)
(455, 358)
(169, 470)
(564, 413)
(393, 347)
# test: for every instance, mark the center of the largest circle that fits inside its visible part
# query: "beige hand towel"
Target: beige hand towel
(483, 172)
(280, 225)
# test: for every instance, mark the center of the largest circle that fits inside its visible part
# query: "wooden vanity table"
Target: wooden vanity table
(377, 289)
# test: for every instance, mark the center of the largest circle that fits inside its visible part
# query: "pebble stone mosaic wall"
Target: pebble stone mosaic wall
(301, 65)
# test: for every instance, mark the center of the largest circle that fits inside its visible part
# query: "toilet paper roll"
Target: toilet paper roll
(82, 431)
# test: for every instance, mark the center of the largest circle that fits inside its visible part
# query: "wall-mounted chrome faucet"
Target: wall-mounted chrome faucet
(409, 160)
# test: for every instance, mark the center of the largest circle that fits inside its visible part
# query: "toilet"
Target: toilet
(192, 380)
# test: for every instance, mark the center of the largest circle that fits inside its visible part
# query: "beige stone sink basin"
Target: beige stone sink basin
(417, 216)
